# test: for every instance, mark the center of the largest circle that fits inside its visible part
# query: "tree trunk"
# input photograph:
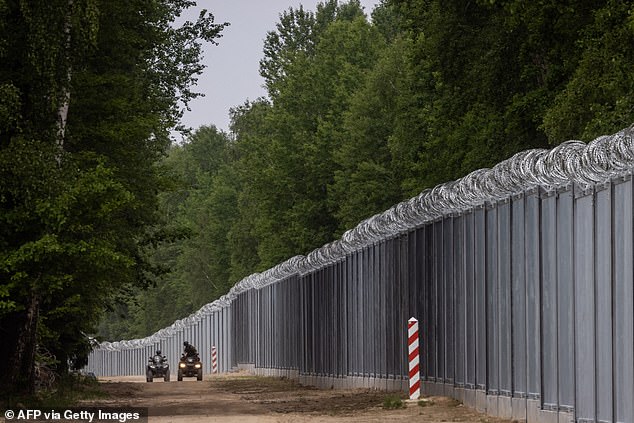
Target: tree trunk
(62, 111)
(20, 375)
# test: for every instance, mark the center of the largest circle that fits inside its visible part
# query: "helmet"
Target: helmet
(185, 343)
(158, 352)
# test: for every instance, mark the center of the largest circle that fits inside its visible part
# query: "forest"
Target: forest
(109, 229)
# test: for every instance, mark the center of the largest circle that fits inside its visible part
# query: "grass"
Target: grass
(66, 392)
(393, 402)
(425, 402)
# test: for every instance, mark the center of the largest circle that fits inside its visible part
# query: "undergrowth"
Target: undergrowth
(67, 391)
(393, 402)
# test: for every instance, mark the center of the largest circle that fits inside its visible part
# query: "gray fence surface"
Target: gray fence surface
(521, 278)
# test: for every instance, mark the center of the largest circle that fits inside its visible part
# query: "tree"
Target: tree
(487, 72)
(248, 126)
(597, 99)
(295, 36)
(199, 208)
(369, 173)
(92, 88)
(208, 213)
(319, 60)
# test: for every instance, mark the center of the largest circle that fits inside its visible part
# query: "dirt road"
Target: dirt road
(239, 397)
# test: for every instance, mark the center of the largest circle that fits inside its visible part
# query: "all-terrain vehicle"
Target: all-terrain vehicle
(190, 366)
(157, 367)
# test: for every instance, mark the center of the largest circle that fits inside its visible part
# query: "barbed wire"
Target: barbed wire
(572, 162)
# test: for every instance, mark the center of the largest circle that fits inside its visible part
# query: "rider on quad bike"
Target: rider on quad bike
(190, 350)
(190, 364)
(157, 367)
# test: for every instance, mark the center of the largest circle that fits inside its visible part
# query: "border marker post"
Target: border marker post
(214, 360)
(413, 358)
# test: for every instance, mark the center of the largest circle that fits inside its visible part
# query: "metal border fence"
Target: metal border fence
(521, 277)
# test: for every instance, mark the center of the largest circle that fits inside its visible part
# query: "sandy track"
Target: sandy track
(239, 397)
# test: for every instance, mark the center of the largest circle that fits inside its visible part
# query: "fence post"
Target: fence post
(414, 361)
(214, 360)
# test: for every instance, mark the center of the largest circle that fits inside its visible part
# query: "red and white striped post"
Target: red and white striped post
(414, 359)
(214, 360)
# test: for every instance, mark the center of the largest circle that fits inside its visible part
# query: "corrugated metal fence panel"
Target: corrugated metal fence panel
(518, 296)
(459, 301)
(480, 299)
(355, 315)
(388, 308)
(549, 299)
(603, 336)
(533, 304)
(426, 334)
(504, 298)
(470, 296)
(565, 303)
(447, 282)
(623, 297)
(438, 300)
(585, 303)
(405, 312)
(492, 302)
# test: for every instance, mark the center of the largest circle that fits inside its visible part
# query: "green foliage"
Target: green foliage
(66, 391)
(295, 36)
(289, 167)
(598, 97)
(494, 78)
(393, 402)
(367, 178)
(199, 209)
(89, 90)
(209, 213)
(9, 107)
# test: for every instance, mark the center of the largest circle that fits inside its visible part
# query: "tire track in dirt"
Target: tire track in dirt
(240, 397)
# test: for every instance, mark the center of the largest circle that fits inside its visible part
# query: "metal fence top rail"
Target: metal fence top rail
(572, 162)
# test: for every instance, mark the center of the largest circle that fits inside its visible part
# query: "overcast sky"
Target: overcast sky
(232, 73)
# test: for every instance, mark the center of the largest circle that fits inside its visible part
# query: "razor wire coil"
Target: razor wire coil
(572, 162)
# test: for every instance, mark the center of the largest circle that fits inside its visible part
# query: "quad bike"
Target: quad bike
(190, 366)
(157, 367)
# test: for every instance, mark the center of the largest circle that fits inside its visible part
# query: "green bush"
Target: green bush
(393, 402)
